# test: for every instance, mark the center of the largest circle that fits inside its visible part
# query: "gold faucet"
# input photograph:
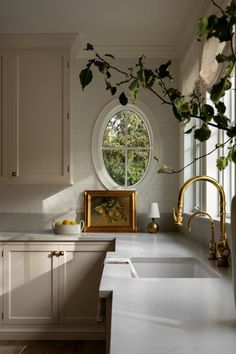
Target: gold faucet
(223, 250)
(212, 244)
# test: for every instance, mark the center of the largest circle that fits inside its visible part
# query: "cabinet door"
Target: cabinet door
(1, 284)
(39, 131)
(30, 284)
(3, 114)
(80, 270)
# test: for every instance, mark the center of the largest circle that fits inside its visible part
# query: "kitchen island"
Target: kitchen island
(180, 316)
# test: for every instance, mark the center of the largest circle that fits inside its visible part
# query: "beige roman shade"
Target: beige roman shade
(210, 69)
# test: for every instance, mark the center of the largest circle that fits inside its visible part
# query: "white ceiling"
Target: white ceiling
(144, 23)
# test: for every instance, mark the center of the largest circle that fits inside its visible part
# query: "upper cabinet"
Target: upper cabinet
(37, 143)
(3, 113)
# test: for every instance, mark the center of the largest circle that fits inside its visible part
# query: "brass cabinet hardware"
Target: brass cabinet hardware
(58, 253)
(14, 174)
(55, 253)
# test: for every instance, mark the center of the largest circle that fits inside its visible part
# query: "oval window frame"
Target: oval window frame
(97, 140)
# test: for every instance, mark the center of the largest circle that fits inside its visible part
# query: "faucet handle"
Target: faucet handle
(175, 215)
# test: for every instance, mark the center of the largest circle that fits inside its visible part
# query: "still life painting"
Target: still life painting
(110, 211)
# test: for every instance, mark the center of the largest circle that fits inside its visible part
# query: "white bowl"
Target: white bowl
(67, 229)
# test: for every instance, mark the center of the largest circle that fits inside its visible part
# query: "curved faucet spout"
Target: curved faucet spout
(223, 250)
(212, 244)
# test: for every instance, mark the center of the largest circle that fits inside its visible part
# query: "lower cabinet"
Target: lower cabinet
(52, 283)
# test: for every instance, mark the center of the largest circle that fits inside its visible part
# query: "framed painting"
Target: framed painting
(107, 211)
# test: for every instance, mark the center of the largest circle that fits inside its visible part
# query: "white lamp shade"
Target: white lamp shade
(153, 211)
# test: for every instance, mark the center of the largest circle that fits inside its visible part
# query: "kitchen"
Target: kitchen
(46, 164)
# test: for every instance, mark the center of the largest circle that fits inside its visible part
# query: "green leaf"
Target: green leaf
(113, 90)
(134, 89)
(108, 75)
(232, 132)
(222, 162)
(173, 93)
(182, 106)
(101, 65)
(163, 70)
(218, 145)
(149, 77)
(110, 56)
(218, 90)
(202, 26)
(141, 77)
(221, 120)
(207, 112)
(190, 130)
(165, 169)
(89, 47)
(108, 85)
(86, 77)
(221, 58)
(194, 109)
(176, 114)
(203, 133)
(232, 153)
(220, 106)
(123, 99)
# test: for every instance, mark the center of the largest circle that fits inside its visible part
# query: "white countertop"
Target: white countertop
(50, 236)
(160, 316)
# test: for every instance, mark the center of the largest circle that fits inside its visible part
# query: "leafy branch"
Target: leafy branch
(221, 163)
(158, 82)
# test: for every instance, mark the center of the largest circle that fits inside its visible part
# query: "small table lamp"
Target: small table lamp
(153, 213)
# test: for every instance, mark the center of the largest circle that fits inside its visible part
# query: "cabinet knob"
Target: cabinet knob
(14, 174)
(58, 254)
(55, 253)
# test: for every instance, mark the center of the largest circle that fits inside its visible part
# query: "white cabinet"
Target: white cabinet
(34, 101)
(30, 284)
(80, 270)
(39, 116)
(3, 113)
(53, 283)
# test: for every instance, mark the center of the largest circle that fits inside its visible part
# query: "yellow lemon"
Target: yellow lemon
(73, 222)
(58, 223)
(66, 222)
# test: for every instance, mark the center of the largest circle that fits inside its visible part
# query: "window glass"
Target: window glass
(205, 195)
(123, 145)
(126, 148)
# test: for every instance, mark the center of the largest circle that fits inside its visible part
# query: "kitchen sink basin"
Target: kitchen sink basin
(171, 267)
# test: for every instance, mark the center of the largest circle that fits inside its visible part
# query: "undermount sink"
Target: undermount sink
(171, 267)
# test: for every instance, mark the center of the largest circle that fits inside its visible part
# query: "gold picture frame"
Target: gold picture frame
(110, 211)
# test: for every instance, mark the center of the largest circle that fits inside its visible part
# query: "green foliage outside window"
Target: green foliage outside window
(126, 148)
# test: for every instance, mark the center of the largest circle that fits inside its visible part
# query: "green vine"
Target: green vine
(158, 81)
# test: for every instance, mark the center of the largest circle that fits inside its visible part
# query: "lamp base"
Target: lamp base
(153, 227)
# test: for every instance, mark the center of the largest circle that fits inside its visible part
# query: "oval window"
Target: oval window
(126, 148)
(122, 145)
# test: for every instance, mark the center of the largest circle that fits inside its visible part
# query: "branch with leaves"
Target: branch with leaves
(158, 82)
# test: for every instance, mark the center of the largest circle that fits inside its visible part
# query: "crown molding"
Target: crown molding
(60, 40)
(132, 52)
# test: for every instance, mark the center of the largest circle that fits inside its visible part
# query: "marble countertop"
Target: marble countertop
(50, 236)
(180, 316)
